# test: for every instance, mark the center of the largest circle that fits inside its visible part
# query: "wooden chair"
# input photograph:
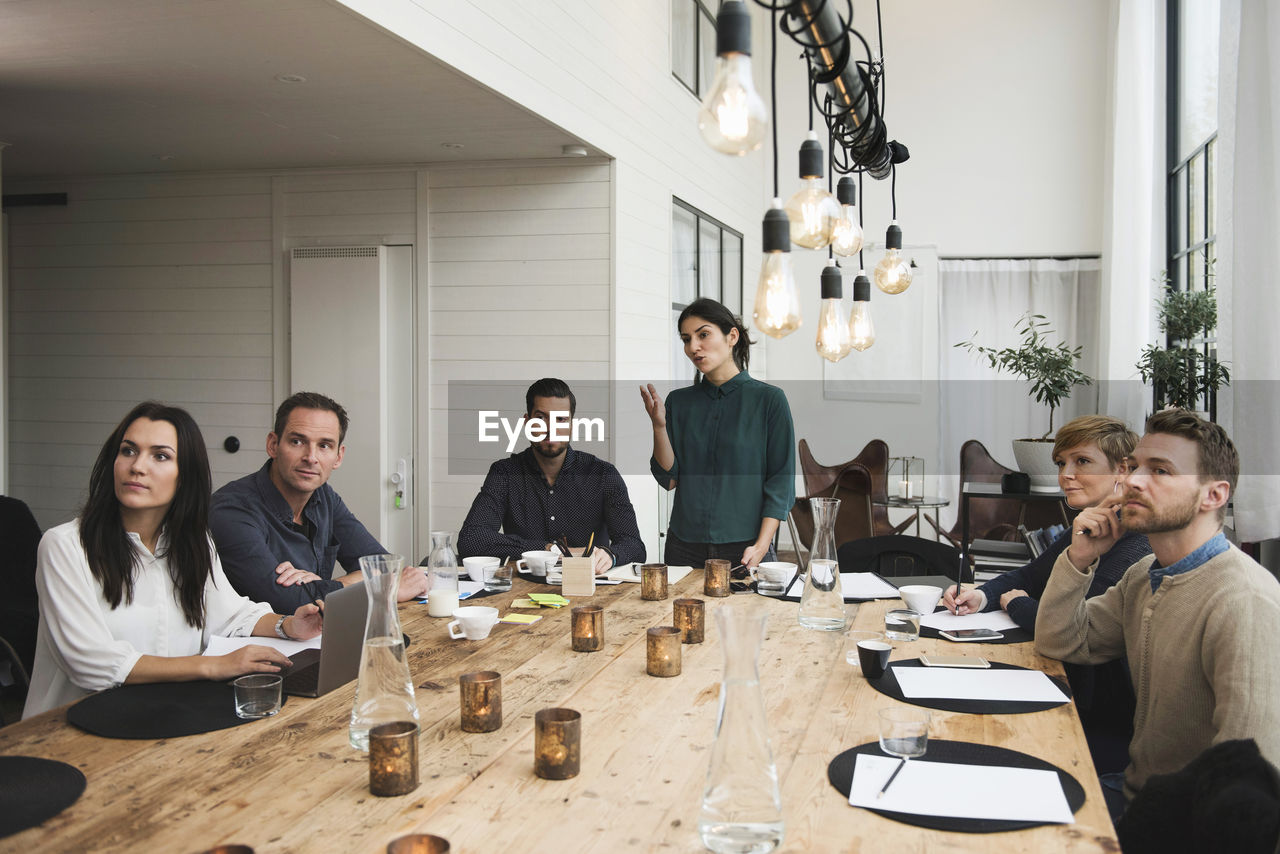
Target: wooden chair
(875, 459)
(897, 555)
(854, 518)
(996, 518)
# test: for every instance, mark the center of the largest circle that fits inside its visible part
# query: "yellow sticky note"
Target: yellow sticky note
(524, 619)
(525, 603)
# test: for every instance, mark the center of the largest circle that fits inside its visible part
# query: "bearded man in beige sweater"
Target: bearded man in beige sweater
(1197, 620)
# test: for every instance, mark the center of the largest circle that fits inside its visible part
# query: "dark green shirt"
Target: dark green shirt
(735, 459)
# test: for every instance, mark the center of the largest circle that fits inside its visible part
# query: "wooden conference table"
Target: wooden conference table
(292, 783)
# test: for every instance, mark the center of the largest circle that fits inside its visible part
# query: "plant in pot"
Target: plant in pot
(1182, 374)
(1052, 372)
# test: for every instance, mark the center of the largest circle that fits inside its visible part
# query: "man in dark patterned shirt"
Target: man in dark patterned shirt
(550, 490)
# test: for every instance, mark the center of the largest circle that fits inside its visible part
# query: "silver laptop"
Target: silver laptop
(318, 671)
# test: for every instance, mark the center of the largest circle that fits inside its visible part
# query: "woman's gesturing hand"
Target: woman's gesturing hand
(653, 406)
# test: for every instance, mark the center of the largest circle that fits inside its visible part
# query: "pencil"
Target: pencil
(590, 545)
(901, 761)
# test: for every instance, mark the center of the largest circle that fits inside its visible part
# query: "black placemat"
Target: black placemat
(840, 774)
(33, 789)
(787, 586)
(1014, 635)
(888, 685)
(158, 710)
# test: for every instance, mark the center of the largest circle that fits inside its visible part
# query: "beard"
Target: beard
(549, 451)
(1162, 520)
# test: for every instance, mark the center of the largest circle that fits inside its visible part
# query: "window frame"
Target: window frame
(1181, 252)
(699, 219)
(702, 17)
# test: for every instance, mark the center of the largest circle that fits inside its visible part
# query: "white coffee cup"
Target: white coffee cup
(475, 566)
(775, 573)
(474, 622)
(922, 598)
(537, 562)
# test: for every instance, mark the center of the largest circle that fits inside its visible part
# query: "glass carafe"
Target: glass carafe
(442, 598)
(741, 805)
(822, 603)
(384, 692)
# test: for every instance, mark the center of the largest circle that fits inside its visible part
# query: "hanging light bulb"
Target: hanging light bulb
(813, 211)
(833, 341)
(862, 332)
(846, 237)
(893, 276)
(733, 118)
(777, 310)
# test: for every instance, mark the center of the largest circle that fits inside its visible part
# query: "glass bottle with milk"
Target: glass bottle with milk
(442, 565)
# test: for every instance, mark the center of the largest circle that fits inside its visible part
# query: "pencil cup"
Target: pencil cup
(481, 697)
(557, 743)
(662, 651)
(715, 578)
(688, 615)
(653, 581)
(393, 758)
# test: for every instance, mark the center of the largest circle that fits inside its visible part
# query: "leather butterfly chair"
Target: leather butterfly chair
(996, 518)
(818, 479)
(897, 555)
(853, 520)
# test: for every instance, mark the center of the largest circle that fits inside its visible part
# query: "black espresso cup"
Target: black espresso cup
(873, 658)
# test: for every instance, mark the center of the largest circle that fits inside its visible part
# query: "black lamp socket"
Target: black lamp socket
(777, 231)
(832, 282)
(893, 238)
(847, 191)
(861, 289)
(811, 159)
(733, 28)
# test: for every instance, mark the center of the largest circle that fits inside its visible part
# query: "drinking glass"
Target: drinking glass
(904, 731)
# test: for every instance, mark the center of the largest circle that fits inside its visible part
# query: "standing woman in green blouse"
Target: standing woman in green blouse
(727, 441)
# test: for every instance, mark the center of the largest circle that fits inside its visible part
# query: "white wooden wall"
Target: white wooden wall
(518, 257)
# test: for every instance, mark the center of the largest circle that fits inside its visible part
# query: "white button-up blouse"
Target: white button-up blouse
(85, 645)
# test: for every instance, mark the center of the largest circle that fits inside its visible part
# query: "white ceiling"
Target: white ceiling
(116, 86)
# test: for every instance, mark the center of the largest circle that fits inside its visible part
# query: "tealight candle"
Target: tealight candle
(557, 743)
(481, 701)
(653, 581)
(904, 490)
(662, 651)
(418, 843)
(588, 628)
(393, 758)
(715, 578)
(688, 617)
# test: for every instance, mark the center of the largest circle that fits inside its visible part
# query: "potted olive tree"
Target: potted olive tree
(1052, 372)
(1182, 374)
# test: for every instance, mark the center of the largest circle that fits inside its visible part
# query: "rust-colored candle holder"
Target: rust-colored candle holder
(418, 843)
(588, 628)
(715, 578)
(481, 701)
(230, 849)
(393, 758)
(689, 618)
(653, 581)
(557, 743)
(662, 651)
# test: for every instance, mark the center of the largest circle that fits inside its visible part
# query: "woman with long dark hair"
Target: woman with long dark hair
(132, 590)
(727, 441)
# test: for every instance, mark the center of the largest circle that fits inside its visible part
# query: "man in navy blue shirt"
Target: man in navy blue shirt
(549, 491)
(280, 530)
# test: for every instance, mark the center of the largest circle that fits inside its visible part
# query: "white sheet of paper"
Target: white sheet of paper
(855, 585)
(465, 589)
(222, 646)
(955, 683)
(962, 791)
(945, 620)
(631, 572)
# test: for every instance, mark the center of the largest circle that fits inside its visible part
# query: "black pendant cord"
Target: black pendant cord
(773, 91)
(863, 200)
(831, 171)
(893, 189)
(880, 40)
(809, 66)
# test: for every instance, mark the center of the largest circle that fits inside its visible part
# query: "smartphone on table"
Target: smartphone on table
(961, 635)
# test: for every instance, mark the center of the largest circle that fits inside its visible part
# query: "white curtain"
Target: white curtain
(983, 300)
(1249, 255)
(1133, 202)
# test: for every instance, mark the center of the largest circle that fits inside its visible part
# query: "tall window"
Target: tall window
(1192, 131)
(693, 44)
(706, 261)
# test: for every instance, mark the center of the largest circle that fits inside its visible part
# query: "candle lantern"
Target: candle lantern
(906, 478)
